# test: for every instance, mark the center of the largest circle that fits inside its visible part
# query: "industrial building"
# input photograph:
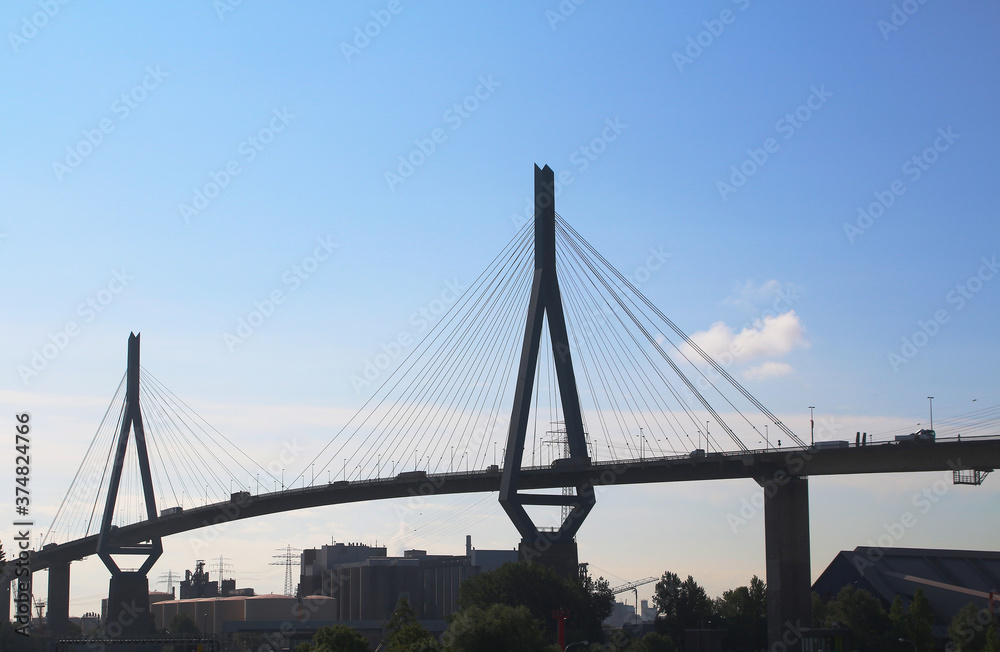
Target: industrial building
(367, 583)
(262, 613)
(154, 597)
(198, 585)
(343, 583)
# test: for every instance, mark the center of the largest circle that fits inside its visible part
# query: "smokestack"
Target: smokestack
(468, 546)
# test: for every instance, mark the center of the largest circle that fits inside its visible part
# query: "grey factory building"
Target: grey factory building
(368, 583)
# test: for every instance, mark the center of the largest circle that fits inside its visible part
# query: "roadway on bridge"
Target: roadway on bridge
(980, 453)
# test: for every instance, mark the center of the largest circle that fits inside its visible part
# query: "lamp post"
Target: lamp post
(577, 643)
(812, 426)
(906, 640)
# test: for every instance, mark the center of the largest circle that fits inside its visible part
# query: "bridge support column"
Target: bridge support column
(58, 604)
(561, 557)
(22, 592)
(5, 581)
(128, 606)
(786, 543)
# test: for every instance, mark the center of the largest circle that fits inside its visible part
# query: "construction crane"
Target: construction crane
(634, 586)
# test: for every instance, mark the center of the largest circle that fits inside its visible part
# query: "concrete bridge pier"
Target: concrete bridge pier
(17, 590)
(562, 557)
(58, 602)
(128, 613)
(5, 580)
(786, 544)
(4, 598)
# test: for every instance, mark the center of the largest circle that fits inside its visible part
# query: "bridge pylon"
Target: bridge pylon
(128, 594)
(557, 548)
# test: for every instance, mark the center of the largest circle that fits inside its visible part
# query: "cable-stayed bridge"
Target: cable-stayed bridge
(552, 372)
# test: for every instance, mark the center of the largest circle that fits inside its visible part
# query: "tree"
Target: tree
(992, 640)
(744, 612)
(683, 605)
(897, 616)
(336, 638)
(819, 610)
(497, 628)
(920, 618)
(860, 612)
(654, 642)
(183, 624)
(665, 593)
(542, 590)
(968, 628)
(404, 634)
(598, 603)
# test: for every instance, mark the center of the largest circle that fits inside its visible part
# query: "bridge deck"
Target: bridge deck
(945, 455)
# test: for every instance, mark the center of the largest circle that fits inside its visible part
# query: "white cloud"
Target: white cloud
(774, 295)
(768, 370)
(774, 337)
(751, 294)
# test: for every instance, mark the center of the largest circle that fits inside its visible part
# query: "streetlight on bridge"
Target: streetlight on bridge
(812, 426)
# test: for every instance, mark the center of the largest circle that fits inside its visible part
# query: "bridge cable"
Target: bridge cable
(684, 336)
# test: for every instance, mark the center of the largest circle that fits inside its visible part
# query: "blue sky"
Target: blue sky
(173, 93)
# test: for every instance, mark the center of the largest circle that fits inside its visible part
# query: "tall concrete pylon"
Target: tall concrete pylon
(556, 549)
(128, 594)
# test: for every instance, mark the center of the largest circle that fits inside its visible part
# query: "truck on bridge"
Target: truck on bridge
(923, 435)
